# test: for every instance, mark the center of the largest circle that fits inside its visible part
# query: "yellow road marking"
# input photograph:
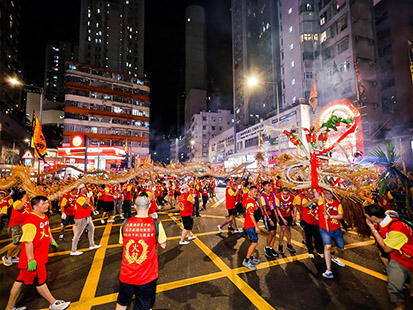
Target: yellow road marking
(213, 216)
(217, 203)
(358, 244)
(92, 280)
(247, 290)
(364, 270)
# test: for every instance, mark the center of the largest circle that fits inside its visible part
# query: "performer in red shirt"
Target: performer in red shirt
(109, 205)
(36, 239)
(186, 208)
(83, 219)
(20, 211)
(330, 213)
(284, 202)
(67, 209)
(140, 236)
(127, 190)
(231, 193)
(252, 230)
(306, 204)
(268, 206)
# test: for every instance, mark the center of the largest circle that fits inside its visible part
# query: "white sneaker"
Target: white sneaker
(328, 274)
(122, 217)
(184, 242)
(102, 221)
(77, 253)
(59, 305)
(238, 231)
(254, 261)
(249, 265)
(321, 255)
(20, 308)
(220, 229)
(311, 255)
(338, 261)
(15, 260)
(111, 221)
(7, 261)
(96, 246)
(191, 238)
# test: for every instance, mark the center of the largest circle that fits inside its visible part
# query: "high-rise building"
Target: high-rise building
(204, 126)
(348, 39)
(195, 49)
(394, 26)
(12, 111)
(112, 108)
(256, 49)
(112, 35)
(299, 34)
(54, 74)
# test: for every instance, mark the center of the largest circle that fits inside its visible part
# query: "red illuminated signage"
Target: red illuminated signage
(77, 141)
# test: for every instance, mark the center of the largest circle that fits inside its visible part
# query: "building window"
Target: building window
(204, 145)
(220, 128)
(204, 118)
(294, 99)
(204, 154)
(290, 29)
(293, 82)
(323, 36)
(203, 127)
(213, 127)
(213, 118)
(220, 119)
(290, 10)
(291, 46)
(292, 64)
(342, 45)
(308, 75)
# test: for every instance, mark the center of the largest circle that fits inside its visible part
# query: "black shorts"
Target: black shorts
(188, 222)
(267, 224)
(100, 205)
(70, 219)
(108, 206)
(232, 212)
(289, 220)
(144, 294)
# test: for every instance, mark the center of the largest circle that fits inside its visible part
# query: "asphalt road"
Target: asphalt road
(208, 273)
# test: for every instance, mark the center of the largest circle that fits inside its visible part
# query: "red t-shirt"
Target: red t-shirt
(283, 204)
(82, 212)
(251, 206)
(35, 229)
(170, 190)
(186, 206)
(68, 203)
(19, 216)
(404, 256)
(127, 189)
(332, 208)
(152, 207)
(244, 197)
(139, 257)
(229, 198)
(310, 214)
(109, 190)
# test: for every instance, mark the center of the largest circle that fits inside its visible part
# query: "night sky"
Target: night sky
(51, 21)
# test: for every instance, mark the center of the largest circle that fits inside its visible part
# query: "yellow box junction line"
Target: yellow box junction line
(225, 271)
(247, 290)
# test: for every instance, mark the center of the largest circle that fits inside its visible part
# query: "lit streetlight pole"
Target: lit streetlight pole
(254, 82)
(13, 81)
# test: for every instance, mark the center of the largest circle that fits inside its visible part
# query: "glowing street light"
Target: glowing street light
(192, 142)
(252, 81)
(14, 81)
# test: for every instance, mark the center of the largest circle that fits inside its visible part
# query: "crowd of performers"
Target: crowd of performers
(318, 213)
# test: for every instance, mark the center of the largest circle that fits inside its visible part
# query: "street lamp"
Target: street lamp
(253, 82)
(13, 81)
